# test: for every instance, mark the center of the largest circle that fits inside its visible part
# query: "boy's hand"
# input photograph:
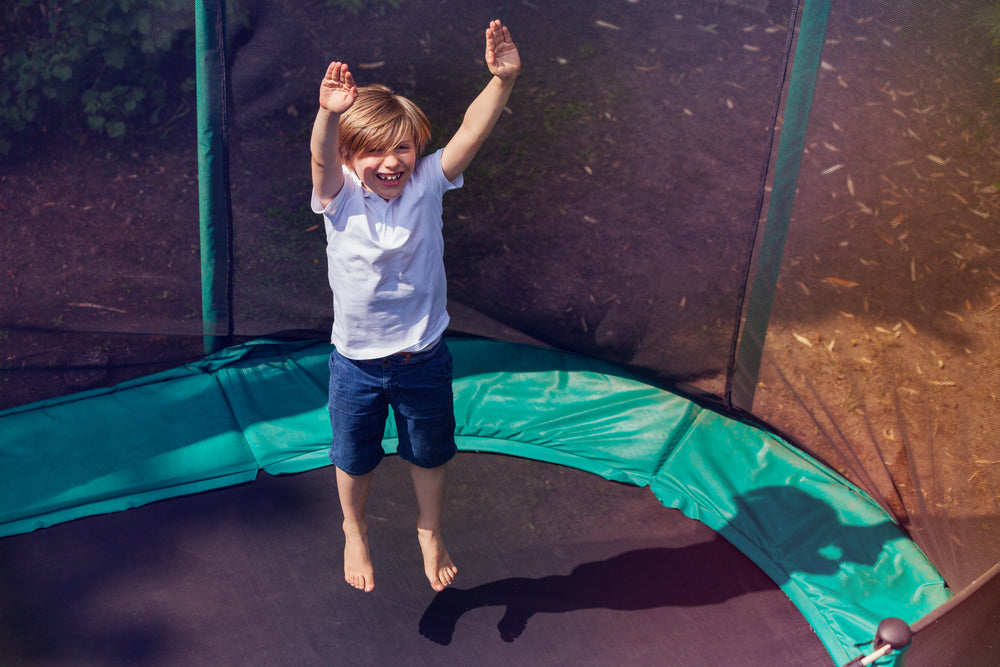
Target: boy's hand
(337, 92)
(501, 53)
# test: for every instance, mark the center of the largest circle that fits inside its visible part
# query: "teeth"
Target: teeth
(389, 177)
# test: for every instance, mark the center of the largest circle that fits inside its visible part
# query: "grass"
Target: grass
(556, 115)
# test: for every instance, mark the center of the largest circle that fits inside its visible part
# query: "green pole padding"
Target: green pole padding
(779, 212)
(212, 178)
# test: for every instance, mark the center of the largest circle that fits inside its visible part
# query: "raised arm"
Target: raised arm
(504, 63)
(337, 93)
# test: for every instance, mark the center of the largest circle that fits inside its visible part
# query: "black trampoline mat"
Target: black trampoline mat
(556, 566)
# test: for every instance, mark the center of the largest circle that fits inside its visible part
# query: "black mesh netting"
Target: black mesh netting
(608, 214)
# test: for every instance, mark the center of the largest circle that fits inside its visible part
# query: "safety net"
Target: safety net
(761, 233)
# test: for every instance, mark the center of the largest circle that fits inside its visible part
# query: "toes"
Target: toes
(360, 582)
(445, 576)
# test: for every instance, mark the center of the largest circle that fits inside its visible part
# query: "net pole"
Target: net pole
(801, 86)
(215, 211)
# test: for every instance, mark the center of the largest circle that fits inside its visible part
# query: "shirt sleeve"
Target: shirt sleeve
(336, 202)
(442, 183)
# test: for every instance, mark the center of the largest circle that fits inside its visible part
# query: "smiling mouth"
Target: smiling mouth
(389, 179)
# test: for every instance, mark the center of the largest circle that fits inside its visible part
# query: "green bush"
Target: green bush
(106, 66)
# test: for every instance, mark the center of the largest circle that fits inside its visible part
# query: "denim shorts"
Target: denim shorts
(416, 385)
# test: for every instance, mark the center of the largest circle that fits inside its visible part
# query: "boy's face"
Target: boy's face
(385, 172)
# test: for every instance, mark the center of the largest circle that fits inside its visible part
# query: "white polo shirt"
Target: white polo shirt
(385, 263)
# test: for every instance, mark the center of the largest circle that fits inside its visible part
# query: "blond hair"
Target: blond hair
(381, 120)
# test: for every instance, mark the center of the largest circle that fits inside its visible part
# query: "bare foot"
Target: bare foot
(437, 563)
(358, 569)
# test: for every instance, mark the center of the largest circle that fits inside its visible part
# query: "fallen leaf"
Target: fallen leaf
(840, 282)
(96, 306)
(884, 238)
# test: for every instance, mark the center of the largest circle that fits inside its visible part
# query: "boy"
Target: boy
(381, 204)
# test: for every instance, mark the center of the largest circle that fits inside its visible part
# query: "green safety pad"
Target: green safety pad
(263, 405)
(835, 552)
(102, 451)
(565, 409)
(278, 395)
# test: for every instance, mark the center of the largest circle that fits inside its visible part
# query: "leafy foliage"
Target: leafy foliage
(989, 18)
(107, 66)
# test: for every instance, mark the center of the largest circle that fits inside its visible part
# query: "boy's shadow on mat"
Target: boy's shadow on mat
(694, 575)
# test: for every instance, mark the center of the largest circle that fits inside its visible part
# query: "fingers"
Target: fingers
(498, 41)
(332, 72)
(501, 52)
(348, 78)
(337, 91)
(339, 75)
(496, 35)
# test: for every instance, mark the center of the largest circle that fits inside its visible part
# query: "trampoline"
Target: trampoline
(262, 406)
(724, 293)
(252, 575)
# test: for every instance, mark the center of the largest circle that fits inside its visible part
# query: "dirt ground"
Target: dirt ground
(887, 321)
(612, 155)
(609, 214)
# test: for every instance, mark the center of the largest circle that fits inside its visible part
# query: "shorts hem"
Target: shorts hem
(444, 458)
(351, 471)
